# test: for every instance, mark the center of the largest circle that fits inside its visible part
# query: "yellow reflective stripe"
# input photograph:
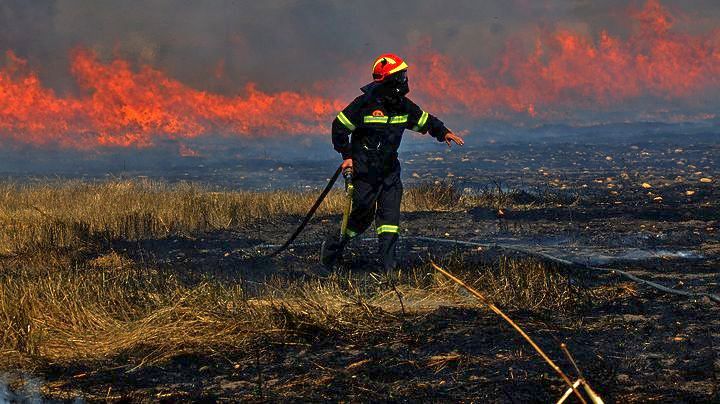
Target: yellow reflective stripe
(422, 120)
(345, 121)
(375, 119)
(387, 228)
(402, 66)
(385, 119)
(350, 233)
(398, 119)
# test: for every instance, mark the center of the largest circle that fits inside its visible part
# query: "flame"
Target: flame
(120, 105)
(30, 113)
(568, 71)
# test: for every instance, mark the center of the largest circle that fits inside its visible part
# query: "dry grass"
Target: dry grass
(74, 213)
(66, 297)
(109, 306)
(525, 284)
(68, 214)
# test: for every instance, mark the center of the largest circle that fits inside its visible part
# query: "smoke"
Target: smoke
(286, 44)
(99, 75)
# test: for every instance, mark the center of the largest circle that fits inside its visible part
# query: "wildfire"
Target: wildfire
(122, 106)
(567, 71)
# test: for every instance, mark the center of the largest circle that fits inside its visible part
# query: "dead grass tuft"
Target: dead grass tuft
(438, 196)
(522, 284)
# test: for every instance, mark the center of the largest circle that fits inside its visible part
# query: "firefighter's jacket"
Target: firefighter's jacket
(369, 131)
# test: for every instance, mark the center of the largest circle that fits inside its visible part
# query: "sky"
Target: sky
(94, 75)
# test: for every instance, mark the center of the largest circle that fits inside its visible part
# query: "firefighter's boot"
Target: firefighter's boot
(332, 250)
(388, 246)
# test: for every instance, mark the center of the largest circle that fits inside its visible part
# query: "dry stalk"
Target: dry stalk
(499, 312)
(590, 392)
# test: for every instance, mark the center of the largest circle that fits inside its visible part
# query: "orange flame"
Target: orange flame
(121, 107)
(565, 72)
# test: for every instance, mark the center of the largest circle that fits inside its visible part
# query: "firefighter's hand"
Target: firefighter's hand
(347, 163)
(451, 137)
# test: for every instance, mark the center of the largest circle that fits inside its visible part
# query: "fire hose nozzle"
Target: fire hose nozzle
(349, 189)
(348, 174)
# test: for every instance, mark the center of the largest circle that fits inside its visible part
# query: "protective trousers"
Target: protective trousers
(380, 201)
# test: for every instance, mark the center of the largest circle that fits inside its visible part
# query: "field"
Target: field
(143, 290)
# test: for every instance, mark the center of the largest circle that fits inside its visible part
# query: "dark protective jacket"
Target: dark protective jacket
(369, 131)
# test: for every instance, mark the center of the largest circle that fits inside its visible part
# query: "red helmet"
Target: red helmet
(386, 65)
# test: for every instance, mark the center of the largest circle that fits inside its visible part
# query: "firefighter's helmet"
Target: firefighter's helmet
(386, 65)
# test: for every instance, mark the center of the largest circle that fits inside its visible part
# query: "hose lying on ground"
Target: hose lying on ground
(310, 213)
(552, 258)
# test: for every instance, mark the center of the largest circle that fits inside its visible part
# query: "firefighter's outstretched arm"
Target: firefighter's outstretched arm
(424, 122)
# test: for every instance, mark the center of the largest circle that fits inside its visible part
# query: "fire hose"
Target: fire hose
(692, 295)
(347, 174)
(308, 215)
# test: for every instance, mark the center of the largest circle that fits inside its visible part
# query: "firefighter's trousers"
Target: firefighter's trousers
(379, 201)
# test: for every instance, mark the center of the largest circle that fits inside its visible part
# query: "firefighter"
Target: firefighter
(367, 133)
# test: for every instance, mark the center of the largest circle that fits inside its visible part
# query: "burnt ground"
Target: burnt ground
(643, 345)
